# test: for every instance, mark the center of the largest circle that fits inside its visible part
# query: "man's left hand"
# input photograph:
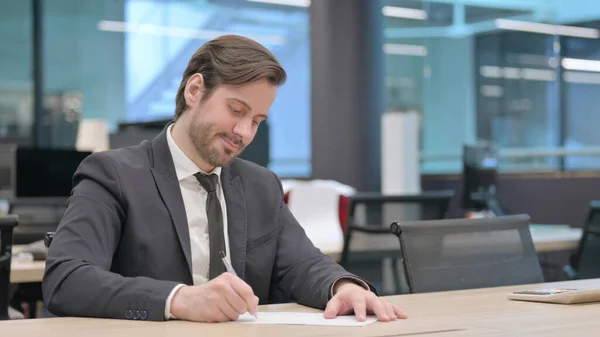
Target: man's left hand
(348, 297)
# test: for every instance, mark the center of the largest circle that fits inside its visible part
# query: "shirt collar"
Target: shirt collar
(184, 166)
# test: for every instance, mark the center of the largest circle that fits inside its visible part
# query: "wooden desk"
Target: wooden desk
(25, 272)
(480, 312)
(546, 238)
(551, 238)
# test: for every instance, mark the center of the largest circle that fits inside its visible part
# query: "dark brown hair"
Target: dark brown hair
(230, 59)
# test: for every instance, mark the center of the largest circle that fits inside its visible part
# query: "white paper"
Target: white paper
(316, 207)
(302, 318)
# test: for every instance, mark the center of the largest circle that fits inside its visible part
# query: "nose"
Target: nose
(243, 129)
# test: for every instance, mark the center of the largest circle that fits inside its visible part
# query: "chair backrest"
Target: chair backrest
(370, 250)
(456, 254)
(7, 224)
(586, 260)
(369, 214)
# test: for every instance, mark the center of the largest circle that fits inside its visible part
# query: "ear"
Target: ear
(194, 90)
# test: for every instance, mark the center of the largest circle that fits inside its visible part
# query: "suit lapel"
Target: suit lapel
(166, 181)
(236, 219)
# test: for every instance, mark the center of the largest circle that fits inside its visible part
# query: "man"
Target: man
(149, 229)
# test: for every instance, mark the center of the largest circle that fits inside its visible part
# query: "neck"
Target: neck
(183, 141)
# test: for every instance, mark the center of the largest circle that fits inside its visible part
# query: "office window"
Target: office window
(16, 86)
(122, 62)
(518, 107)
(581, 83)
(428, 70)
(83, 67)
(155, 62)
(473, 74)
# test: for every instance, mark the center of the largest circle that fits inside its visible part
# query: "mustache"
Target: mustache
(233, 139)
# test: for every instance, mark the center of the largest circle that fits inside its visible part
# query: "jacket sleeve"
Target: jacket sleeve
(77, 279)
(301, 270)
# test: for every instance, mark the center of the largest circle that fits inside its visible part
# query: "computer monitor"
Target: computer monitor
(46, 172)
(479, 181)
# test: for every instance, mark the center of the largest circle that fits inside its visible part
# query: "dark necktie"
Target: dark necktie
(214, 213)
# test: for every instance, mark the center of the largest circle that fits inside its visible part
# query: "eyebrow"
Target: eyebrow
(241, 102)
(265, 117)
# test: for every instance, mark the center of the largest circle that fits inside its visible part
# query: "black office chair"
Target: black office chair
(459, 254)
(367, 241)
(585, 262)
(7, 225)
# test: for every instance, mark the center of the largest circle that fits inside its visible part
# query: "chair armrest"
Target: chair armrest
(48, 239)
(371, 229)
(5, 259)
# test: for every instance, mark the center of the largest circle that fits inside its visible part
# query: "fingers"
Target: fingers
(390, 310)
(399, 312)
(333, 308)
(235, 301)
(379, 309)
(244, 293)
(360, 308)
(229, 313)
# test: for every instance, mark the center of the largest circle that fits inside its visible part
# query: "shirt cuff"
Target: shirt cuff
(168, 314)
(351, 279)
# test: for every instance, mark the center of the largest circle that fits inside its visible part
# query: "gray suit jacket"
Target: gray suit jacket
(123, 243)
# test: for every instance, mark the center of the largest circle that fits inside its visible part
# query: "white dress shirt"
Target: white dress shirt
(194, 200)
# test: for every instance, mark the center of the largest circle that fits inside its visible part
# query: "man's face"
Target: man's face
(226, 122)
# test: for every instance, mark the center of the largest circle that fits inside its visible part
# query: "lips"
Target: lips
(230, 143)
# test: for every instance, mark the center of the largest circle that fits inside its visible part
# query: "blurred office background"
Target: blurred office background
(522, 74)
(399, 98)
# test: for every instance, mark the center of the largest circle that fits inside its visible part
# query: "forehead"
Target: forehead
(257, 95)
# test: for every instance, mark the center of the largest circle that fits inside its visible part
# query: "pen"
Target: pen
(228, 265)
(230, 269)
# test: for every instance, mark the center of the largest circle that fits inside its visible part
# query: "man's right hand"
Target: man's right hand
(222, 299)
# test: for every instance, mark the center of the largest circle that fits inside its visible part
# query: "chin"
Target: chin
(226, 157)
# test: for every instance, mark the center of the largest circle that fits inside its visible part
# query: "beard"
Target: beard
(202, 134)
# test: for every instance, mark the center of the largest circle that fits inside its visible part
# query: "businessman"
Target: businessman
(149, 230)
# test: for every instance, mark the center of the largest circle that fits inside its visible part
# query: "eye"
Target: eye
(256, 123)
(237, 112)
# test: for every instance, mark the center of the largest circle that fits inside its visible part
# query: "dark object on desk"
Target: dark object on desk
(7, 224)
(585, 262)
(37, 173)
(479, 179)
(37, 216)
(43, 182)
(43, 173)
(429, 205)
(455, 254)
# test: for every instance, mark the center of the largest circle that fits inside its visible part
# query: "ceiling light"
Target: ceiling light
(580, 64)
(405, 13)
(295, 3)
(543, 28)
(201, 34)
(404, 49)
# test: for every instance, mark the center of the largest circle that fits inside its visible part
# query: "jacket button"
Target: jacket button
(136, 315)
(144, 315)
(129, 314)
